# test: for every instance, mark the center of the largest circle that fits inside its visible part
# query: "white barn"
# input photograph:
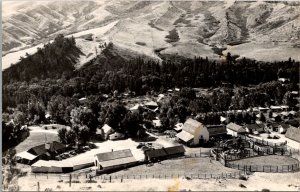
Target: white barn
(192, 132)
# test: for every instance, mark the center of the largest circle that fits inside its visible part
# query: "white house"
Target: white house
(192, 132)
(235, 129)
(107, 130)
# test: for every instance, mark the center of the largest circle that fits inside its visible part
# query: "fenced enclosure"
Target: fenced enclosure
(264, 168)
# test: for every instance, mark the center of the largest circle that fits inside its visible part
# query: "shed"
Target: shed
(235, 129)
(252, 128)
(151, 105)
(135, 108)
(47, 149)
(157, 123)
(107, 130)
(114, 159)
(82, 100)
(26, 158)
(164, 153)
(216, 130)
(178, 127)
(192, 132)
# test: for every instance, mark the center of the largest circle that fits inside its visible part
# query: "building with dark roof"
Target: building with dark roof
(254, 128)
(48, 150)
(216, 130)
(164, 153)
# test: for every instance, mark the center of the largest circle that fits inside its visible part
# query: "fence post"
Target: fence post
(263, 168)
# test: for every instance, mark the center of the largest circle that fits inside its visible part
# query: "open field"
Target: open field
(262, 51)
(179, 166)
(257, 181)
(268, 160)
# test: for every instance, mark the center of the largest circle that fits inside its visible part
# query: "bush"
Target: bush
(242, 177)
(243, 186)
(141, 43)
(58, 187)
(91, 181)
(265, 190)
(48, 189)
(75, 181)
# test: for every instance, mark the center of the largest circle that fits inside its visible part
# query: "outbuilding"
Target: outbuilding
(235, 129)
(164, 153)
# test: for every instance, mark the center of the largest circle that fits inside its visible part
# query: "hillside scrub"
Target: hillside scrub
(173, 36)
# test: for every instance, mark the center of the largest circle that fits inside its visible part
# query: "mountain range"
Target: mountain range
(260, 30)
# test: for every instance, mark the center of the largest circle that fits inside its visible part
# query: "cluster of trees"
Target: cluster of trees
(13, 130)
(49, 61)
(208, 108)
(84, 122)
(48, 82)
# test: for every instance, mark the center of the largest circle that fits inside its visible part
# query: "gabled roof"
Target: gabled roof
(115, 158)
(26, 155)
(114, 155)
(151, 103)
(236, 127)
(163, 152)
(178, 126)
(136, 107)
(216, 130)
(192, 126)
(254, 127)
(157, 122)
(185, 136)
(106, 128)
(41, 149)
(293, 134)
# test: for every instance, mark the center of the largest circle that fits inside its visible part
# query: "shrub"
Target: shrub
(173, 36)
(48, 189)
(58, 187)
(265, 190)
(242, 177)
(75, 181)
(141, 43)
(243, 186)
(91, 181)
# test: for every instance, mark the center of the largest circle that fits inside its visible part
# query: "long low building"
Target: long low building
(164, 153)
(64, 166)
(114, 160)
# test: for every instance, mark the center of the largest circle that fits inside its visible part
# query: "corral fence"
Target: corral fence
(110, 178)
(264, 168)
(262, 141)
(232, 175)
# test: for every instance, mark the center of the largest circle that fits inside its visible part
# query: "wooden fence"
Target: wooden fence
(108, 177)
(264, 168)
(232, 175)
